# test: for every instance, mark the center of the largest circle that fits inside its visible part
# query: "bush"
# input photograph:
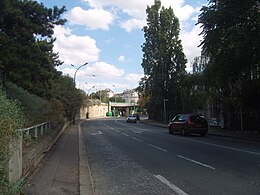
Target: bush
(11, 119)
(36, 109)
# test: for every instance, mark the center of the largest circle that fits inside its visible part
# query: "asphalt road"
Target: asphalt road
(129, 158)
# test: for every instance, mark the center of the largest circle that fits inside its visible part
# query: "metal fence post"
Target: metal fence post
(35, 132)
(42, 130)
(27, 132)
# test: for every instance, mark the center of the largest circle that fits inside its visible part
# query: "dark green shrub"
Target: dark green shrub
(11, 119)
(36, 109)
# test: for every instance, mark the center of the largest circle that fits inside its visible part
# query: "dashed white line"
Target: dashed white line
(125, 134)
(157, 147)
(176, 189)
(199, 163)
(220, 146)
(137, 139)
(137, 131)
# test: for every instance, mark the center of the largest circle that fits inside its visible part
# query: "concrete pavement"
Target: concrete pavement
(64, 170)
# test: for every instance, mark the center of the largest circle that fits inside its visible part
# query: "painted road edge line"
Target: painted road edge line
(171, 185)
(194, 161)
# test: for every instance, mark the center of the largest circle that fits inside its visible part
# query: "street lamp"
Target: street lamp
(90, 89)
(74, 78)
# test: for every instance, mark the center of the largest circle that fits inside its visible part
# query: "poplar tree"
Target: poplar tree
(163, 59)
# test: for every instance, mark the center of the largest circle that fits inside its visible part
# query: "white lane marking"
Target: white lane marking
(140, 132)
(199, 163)
(117, 131)
(131, 126)
(176, 189)
(137, 139)
(220, 146)
(125, 134)
(206, 143)
(98, 133)
(157, 147)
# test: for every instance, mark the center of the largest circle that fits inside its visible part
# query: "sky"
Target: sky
(107, 34)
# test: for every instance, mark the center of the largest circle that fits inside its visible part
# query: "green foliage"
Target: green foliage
(11, 119)
(26, 53)
(231, 41)
(163, 59)
(71, 98)
(36, 109)
(117, 99)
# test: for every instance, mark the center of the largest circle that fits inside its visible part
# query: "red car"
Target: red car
(188, 124)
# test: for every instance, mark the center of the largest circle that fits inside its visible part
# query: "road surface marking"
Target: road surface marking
(140, 132)
(171, 185)
(98, 133)
(220, 146)
(125, 134)
(157, 147)
(199, 163)
(137, 139)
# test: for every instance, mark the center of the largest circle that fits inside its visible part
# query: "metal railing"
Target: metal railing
(34, 130)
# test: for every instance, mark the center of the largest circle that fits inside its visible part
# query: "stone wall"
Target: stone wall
(95, 111)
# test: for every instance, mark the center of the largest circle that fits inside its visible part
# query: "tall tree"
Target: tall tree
(26, 50)
(163, 58)
(231, 40)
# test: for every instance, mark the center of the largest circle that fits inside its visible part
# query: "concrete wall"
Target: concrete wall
(96, 111)
(15, 162)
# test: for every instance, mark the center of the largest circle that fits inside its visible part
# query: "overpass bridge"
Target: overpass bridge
(123, 109)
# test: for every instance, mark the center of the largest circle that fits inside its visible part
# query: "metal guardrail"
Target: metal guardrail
(40, 127)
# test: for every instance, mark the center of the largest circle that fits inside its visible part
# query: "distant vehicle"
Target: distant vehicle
(131, 119)
(188, 124)
(214, 123)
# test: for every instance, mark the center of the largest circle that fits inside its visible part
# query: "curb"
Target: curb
(86, 185)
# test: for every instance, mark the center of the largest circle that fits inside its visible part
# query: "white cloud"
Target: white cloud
(133, 78)
(121, 58)
(74, 49)
(92, 18)
(137, 10)
(104, 71)
(134, 8)
(133, 23)
(191, 41)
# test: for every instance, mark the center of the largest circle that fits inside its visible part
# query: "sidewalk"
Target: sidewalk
(214, 131)
(64, 170)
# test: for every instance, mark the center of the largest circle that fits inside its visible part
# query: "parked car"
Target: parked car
(131, 119)
(214, 123)
(188, 124)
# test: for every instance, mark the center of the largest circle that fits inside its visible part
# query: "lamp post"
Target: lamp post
(90, 89)
(74, 78)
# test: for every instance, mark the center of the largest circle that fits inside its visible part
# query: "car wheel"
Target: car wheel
(170, 131)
